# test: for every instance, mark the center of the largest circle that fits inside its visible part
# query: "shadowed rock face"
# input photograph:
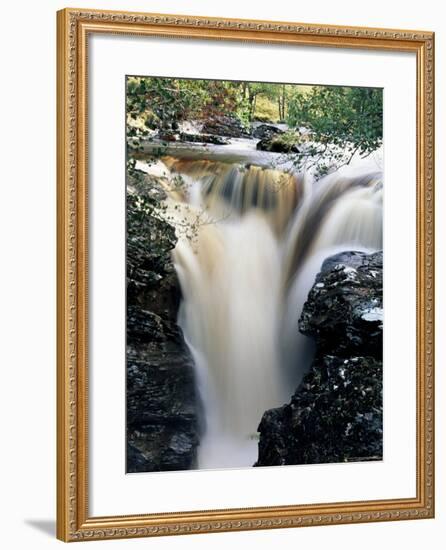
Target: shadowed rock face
(335, 414)
(275, 140)
(202, 138)
(224, 125)
(344, 310)
(266, 131)
(162, 405)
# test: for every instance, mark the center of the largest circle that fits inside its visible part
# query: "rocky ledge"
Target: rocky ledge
(185, 137)
(162, 406)
(335, 415)
(266, 131)
(279, 142)
(225, 125)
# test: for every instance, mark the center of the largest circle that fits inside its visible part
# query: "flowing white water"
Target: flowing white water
(231, 289)
(260, 237)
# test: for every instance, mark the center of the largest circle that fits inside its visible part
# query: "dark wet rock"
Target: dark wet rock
(335, 415)
(168, 135)
(203, 138)
(135, 459)
(344, 309)
(151, 279)
(224, 125)
(162, 409)
(284, 142)
(162, 404)
(266, 131)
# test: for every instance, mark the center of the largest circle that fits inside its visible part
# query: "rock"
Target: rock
(135, 459)
(266, 131)
(284, 142)
(344, 309)
(167, 135)
(162, 404)
(151, 277)
(335, 415)
(225, 126)
(203, 138)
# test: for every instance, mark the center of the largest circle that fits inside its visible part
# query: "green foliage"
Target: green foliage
(288, 139)
(243, 112)
(339, 119)
(162, 103)
(266, 110)
(159, 104)
(152, 217)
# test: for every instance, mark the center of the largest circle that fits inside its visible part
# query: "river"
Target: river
(260, 233)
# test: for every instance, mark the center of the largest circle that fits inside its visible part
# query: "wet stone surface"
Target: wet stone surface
(162, 405)
(335, 415)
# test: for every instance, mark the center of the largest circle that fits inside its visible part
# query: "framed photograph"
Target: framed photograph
(245, 274)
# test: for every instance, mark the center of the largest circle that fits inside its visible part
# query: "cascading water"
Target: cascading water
(260, 237)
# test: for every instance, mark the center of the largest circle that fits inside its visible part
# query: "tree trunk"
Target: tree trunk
(254, 106)
(283, 103)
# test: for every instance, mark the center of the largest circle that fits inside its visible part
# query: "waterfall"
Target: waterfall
(259, 238)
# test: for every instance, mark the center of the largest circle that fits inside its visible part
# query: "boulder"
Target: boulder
(335, 415)
(162, 404)
(283, 142)
(225, 125)
(266, 131)
(344, 309)
(168, 135)
(203, 138)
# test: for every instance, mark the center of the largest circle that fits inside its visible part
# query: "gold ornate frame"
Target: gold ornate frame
(73, 520)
